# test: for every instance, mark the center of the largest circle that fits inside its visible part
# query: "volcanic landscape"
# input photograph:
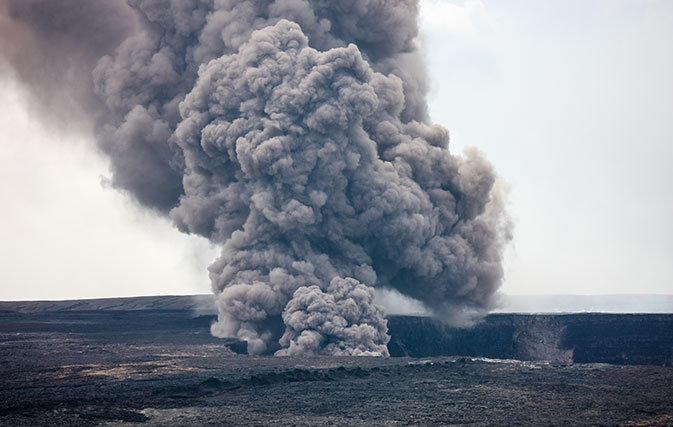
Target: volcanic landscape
(153, 361)
(296, 137)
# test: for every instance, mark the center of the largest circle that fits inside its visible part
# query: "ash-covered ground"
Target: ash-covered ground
(82, 366)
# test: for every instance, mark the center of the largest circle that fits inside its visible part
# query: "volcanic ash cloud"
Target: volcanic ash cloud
(294, 134)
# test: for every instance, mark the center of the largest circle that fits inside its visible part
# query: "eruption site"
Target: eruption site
(294, 134)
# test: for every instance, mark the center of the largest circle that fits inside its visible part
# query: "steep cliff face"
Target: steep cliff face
(628, 339)
(625, 339)
(580, 338)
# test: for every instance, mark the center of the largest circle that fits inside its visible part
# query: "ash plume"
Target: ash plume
(294, 134)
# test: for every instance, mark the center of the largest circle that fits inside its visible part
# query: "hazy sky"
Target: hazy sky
(571, 101)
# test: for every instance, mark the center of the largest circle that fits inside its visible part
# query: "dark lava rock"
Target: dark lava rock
(157, 367)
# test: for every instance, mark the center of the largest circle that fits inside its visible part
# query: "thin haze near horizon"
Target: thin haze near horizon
(571, 102)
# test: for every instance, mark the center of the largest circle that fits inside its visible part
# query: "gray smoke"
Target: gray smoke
(53, 46)
(341, 321)
(294, 133)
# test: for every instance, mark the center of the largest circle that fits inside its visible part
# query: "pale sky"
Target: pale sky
(572, 101)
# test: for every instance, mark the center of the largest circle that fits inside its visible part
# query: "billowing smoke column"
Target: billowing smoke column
(294, 134)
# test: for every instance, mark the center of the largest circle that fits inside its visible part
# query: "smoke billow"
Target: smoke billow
(294, 133)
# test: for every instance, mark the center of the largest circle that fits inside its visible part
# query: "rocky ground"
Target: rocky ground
(163, 368)
(62, 379)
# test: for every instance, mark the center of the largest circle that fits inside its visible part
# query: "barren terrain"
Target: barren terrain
(162, 367)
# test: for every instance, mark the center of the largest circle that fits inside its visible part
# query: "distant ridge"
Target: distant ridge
(616, 303)
(205, 304)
